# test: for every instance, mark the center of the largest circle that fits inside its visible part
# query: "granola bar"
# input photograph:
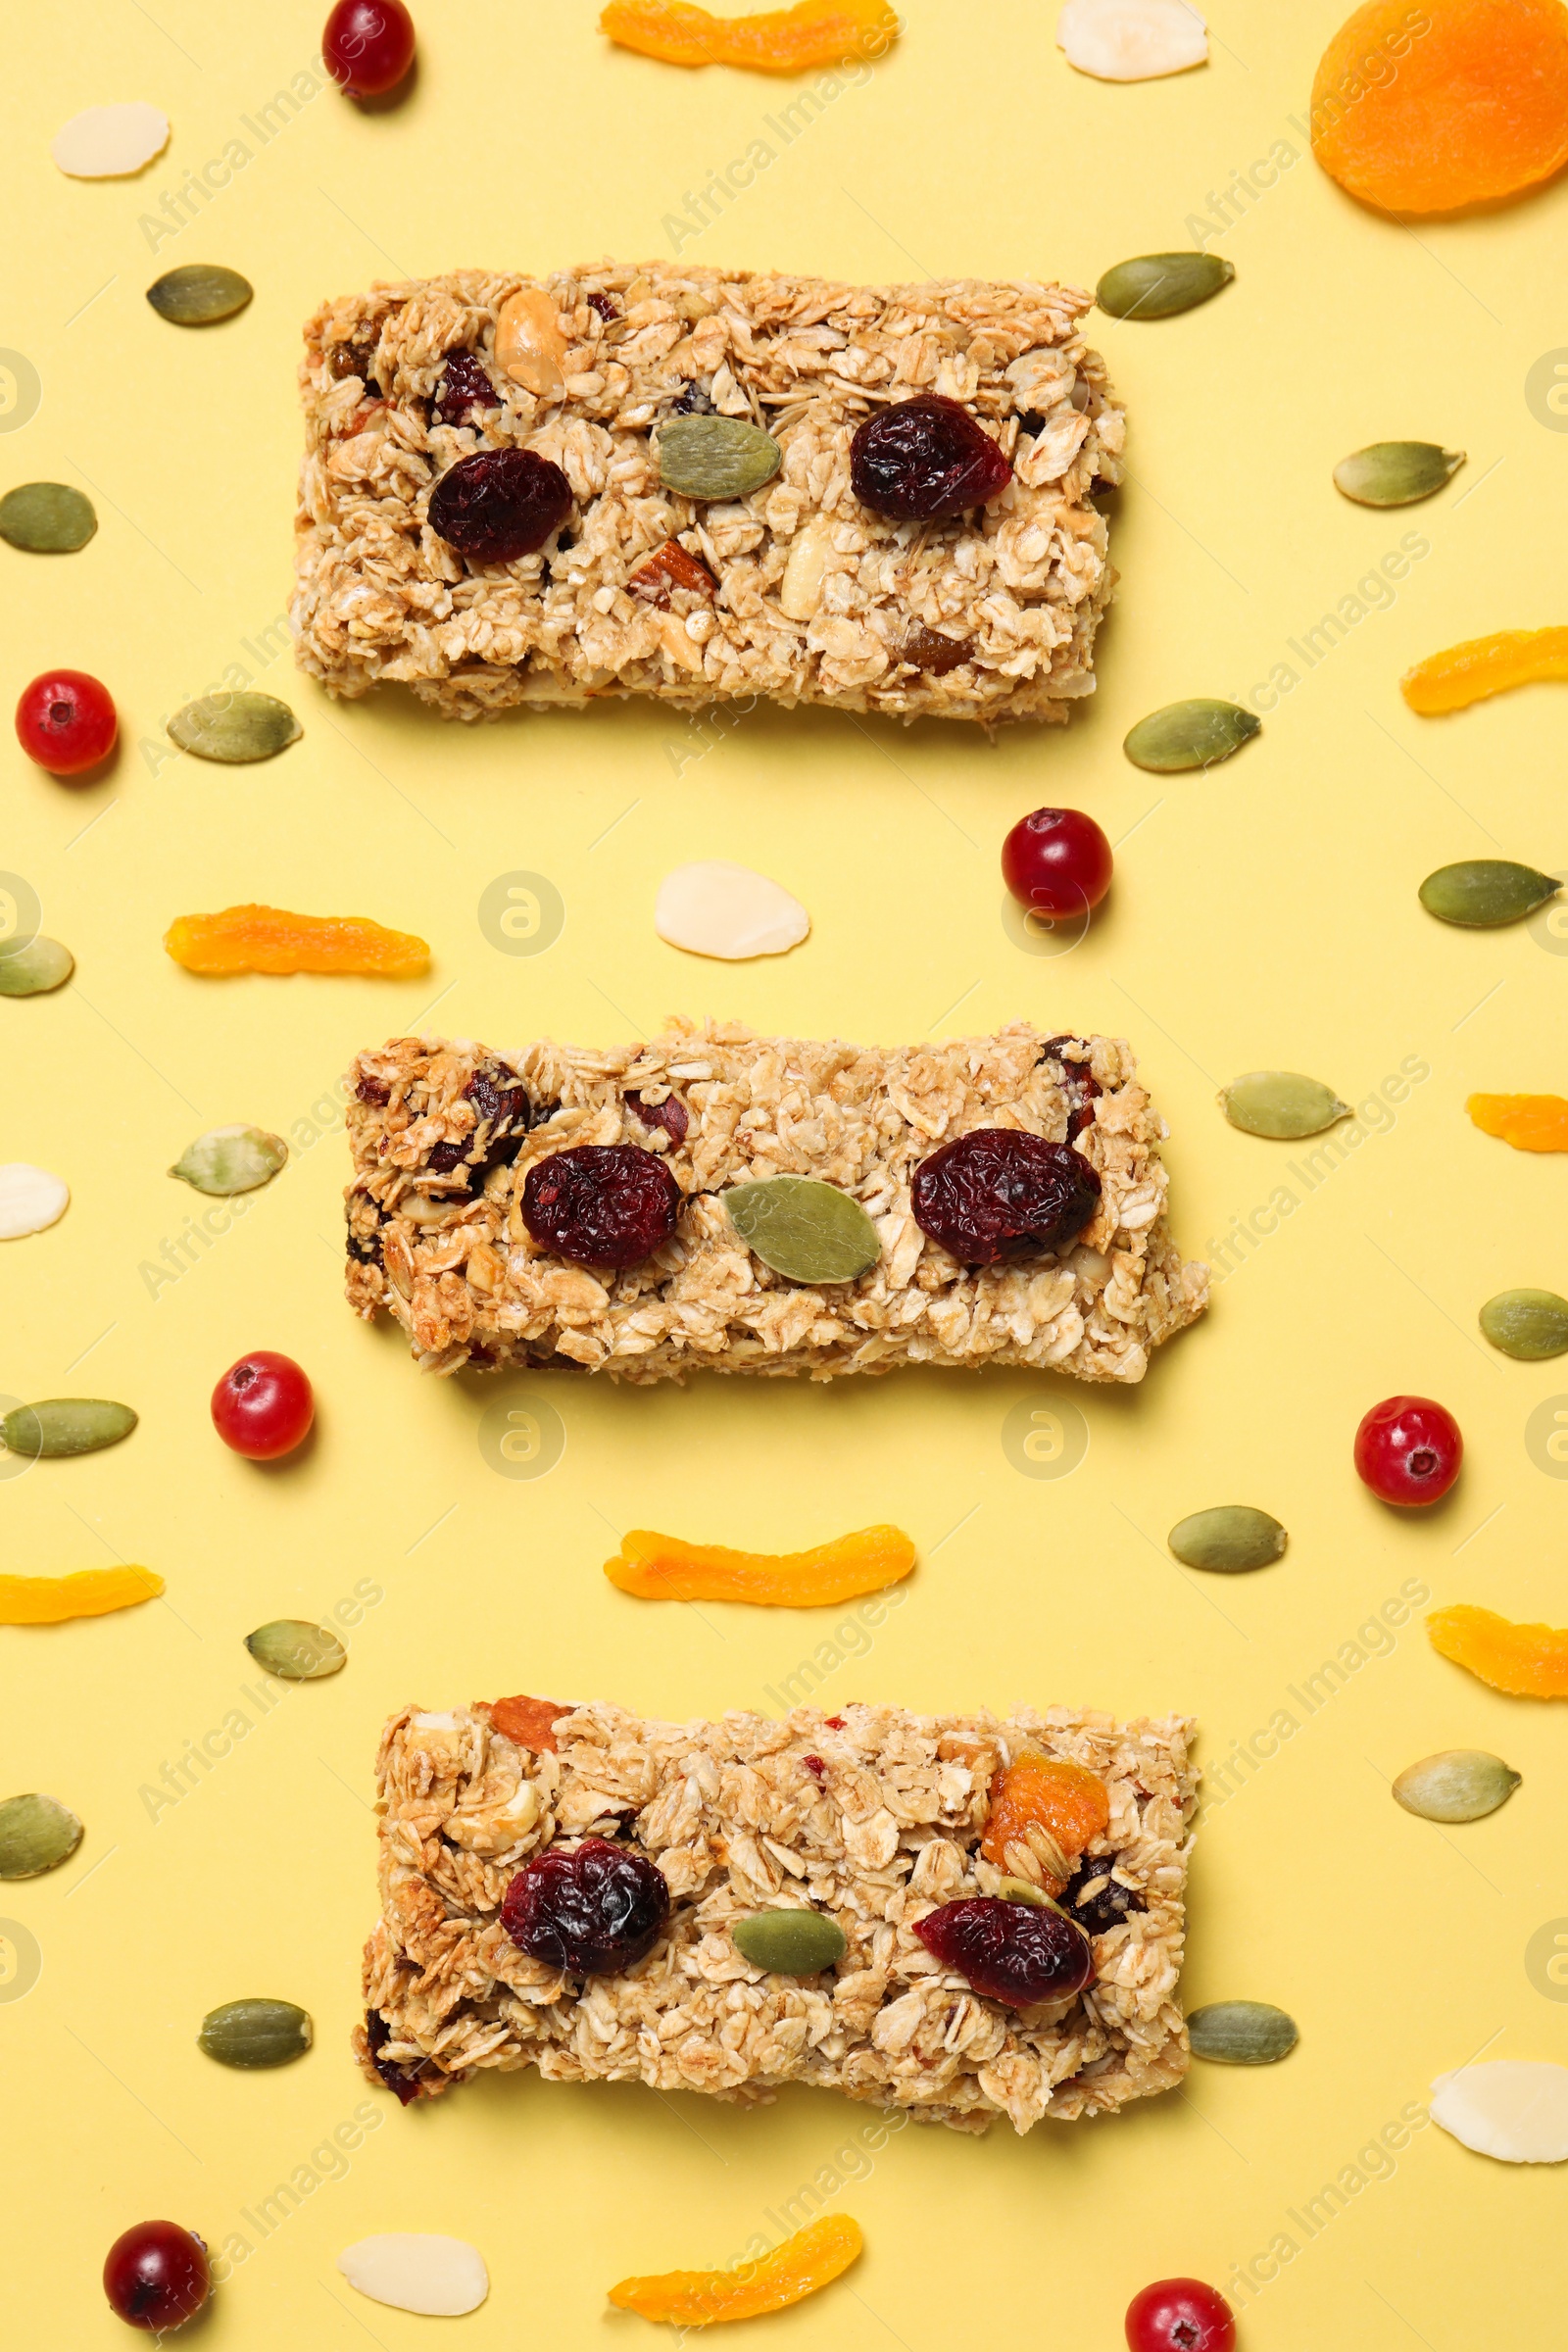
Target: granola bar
(442, 1136)
(872, 1816)
(988, 616)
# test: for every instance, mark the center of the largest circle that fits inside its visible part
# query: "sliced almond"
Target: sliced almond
(1132, 40)
(440, 2276)
(1515, 2109)
(529, 345)
(107, 141)
(806, 568)
(29, 1199)
(717, 908)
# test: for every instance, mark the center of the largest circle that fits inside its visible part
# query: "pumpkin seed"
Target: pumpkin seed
(1241, 2033)
(804, 1229)
(198, 293)
(1457, 1783)
(234, 727)
(1528, 1324)
(36, 1834)
(255, 2034)
(1024, 1891)
(1229, 1538)
(66, 1425)
(296, 1650)
(34, 969)
(1281, 1104)
(231, 1159)
(1395, 473)
(1157, 285)
(792, 1943)
(48, 518)
(1483, 892)
(715, 457)
(1200, 733)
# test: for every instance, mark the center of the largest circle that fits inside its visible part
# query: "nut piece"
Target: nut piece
(529, 346)
(715, 457)
(670, 567)
(36, 1834)
(255, 2034)
(1482, 893)
(1132, 40)
(29, 1199)
(441, 2277)
(800, 591)
(804, 1229)
(714, 908)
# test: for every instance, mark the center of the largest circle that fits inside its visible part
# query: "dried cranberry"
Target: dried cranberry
(377, 2034)
(836, 1723)
(465, 387)
(606, 305)
(671, 1115)
(1079, 1084)
(927, 649)
(371, 1090)
(366, 1248)
(500, 504)
(1109, 1901)
(1031, 421)
(815, 1767)
(589, 1912)
(923, 459)
(602, 1205)
(998, 1193)
(1019, 1953)
(353, 357)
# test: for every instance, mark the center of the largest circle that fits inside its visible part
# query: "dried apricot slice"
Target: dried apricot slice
(812, 2259)
(1467, 673)
(91, 1592)
(1471, 106)
(1044, 1812)
(781, 40)
(1530, 1122)
(268, 939)
(531, 1722)
(663, 1568)
(1529, 1661)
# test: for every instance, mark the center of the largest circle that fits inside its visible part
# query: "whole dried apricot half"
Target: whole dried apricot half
(1460, 102)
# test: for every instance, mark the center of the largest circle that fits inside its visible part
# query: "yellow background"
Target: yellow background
(1262, 914)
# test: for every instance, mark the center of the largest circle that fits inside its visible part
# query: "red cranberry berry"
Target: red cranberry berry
(263, 1405)
(602, 1205)
(590, 1912)
(66, 720)
(1057, 863)
(465, 389)
(1180, 2314)
(156, 2276)
(500, 504)
(1409, 1449)
(924, 460)
(671, 1115)
(1079, 1084)
(1019, 1953)
(998, 1193)
(368, 45)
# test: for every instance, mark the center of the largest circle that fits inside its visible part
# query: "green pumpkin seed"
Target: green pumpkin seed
(198, 293)
(1200, 733)
(1230, 1538)
(1024, 1891)
(1241, 2033)
(715, 457)
(1530, 1325)
(34, 969)
(1281, 1104)
(36, 1834)
(235, 727)
(48, 518)
(804, 1229)
(792, 1943)
(255, 2033)
(61, 1426)
(1157, 285)
(1395, 473)
(231, 1159)
(1458, 1784)
(296, 1650)
(1483, 892)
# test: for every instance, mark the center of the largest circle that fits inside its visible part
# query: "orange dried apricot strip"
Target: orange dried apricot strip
(531, 1722)
(1530, 1122)
(1044, 1812)
(812, 2259)
(268, 939)
(781, 40)
(91, 1592)
(1467, 673)
(663, 1568)
(1529, 1661)
(1458, 102)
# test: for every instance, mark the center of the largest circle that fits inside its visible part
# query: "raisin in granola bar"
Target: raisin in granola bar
(797, 591)
(445, 1136)
(872, 1817)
